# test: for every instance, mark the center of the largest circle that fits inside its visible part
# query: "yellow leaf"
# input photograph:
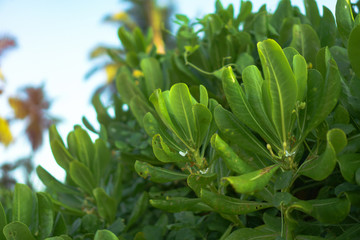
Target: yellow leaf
(120, 16)
(2, 76)
(110, 70)
(5, 133)
(137, 73)
(19, 108)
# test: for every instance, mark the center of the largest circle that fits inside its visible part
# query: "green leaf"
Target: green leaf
(231, 159)
(105, 235)
(106, 205)
(354, 50)
(253, 181)
(101, 159)
(200, 181)
(62, 237)
(300, 73)
(283, 180)
(52, 183)
(204, 98)
(54, 134)
(85, 147)
(251, 234)
(323, 92)
(82, 176)
(126, 39)
(60, 227)
(245, 11)
(46, 215)
(283, 87)
(152, 73)
(139, 40)
(17, 231)
(157, 174)
(181, 105)
(153, 127)
(23, 206)
(203, 120)
(319, 209)
(3, 221)
(240, 105)
(62, 156)
(163, 153)
(307, 237)
(312, 12)
(349, 163)
(231, 127)
(344, 19)
(228, 205)
(306, 41)
(102, 115)
(180, 204)
(282, 12)
(138, 210)
(327, 30)
(253, 82)
(319, 168)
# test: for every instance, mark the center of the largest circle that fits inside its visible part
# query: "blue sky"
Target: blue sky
(54, 40)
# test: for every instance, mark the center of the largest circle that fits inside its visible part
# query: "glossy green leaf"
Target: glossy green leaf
(3, 221)
(23, 206)
(203, 118)
(204, 98)
(46, 215)
(252, 234)
(180, 204)
(354, 50)
(138, 210)
(85, 147)
(181, 105)
(300, 73)
(253, 181)
(323, 92)
(82, 176)
(344, 19)
(349, 163)
(231, 159)
(52, 183)
(72, 145)
(106, 205)
(283, 11)
(153, 127)
(306, 41)
(105, 235)
(312, 12)
(327, 30)
(231, 127)
(158, 100)
(286, 31)
(319, 168)
(17, 231)
(228, 205)
(152, 73)
(253, 82)
(62, 156)
(163, 153)
(283, 87)
(157, 174)
(240, 105)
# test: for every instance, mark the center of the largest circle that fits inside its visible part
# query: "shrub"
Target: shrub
(249, 128)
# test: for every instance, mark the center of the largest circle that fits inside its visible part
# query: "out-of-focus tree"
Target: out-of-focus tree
(30, 106)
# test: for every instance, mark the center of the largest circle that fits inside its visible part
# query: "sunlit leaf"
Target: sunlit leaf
(23, 206)
(17, 231)
(5, 133)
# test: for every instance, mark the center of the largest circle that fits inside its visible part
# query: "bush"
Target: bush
(248, 128)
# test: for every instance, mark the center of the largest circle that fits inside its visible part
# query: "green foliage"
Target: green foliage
(235, 133)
